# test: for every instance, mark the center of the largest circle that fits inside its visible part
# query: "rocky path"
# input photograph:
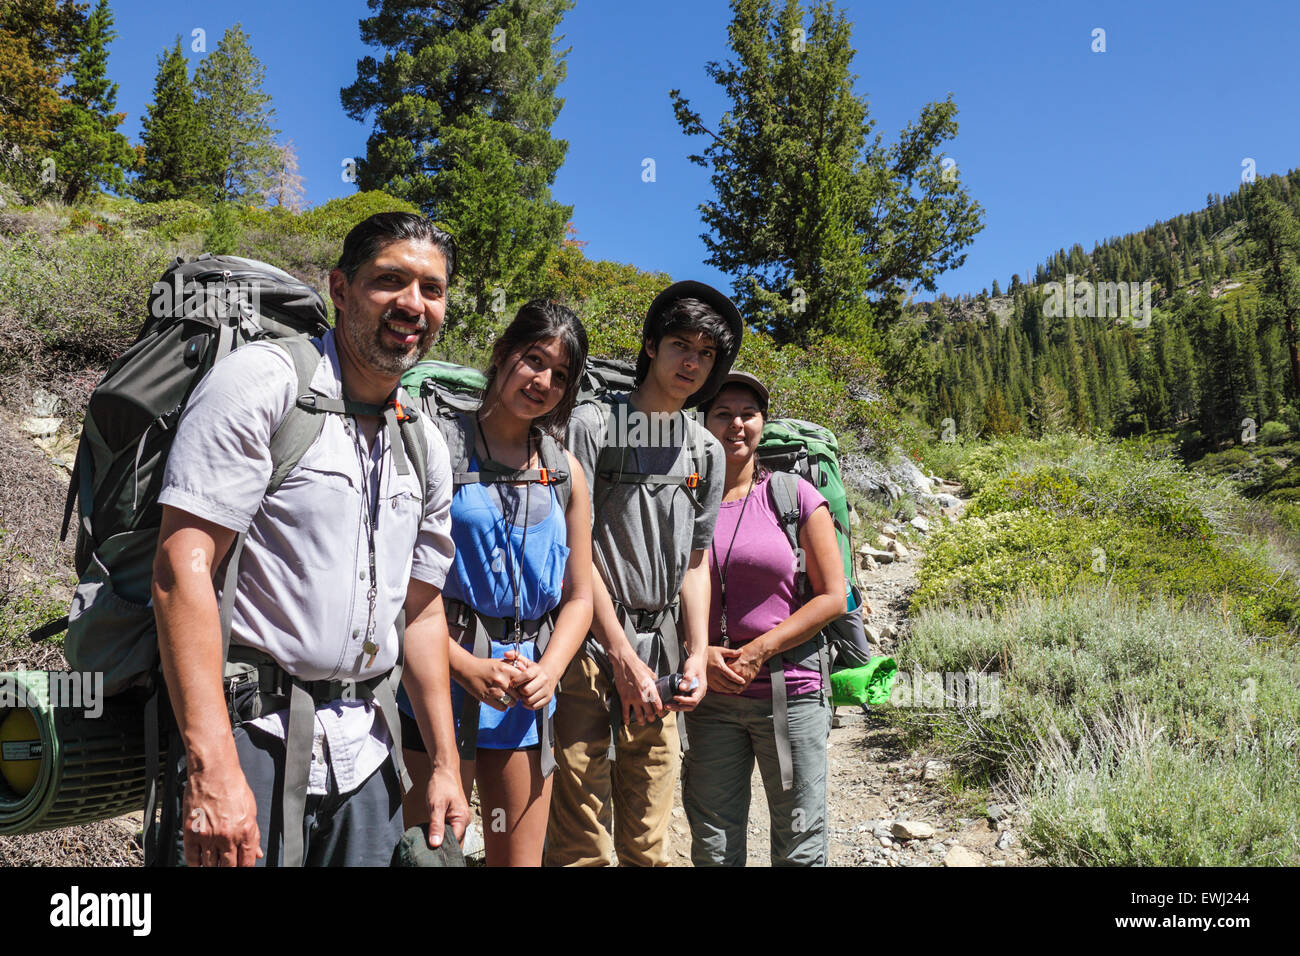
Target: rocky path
(887, 806)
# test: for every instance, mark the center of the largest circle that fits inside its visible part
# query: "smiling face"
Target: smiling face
(390, 312)
(736, 420)
(681, 362)
(531, 383)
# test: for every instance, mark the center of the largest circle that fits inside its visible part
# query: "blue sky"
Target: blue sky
(1060, 144)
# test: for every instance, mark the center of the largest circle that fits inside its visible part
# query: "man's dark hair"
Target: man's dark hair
(687, 316)
(369, 238)
(537, 321)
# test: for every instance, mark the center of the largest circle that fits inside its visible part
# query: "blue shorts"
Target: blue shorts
(512, 729)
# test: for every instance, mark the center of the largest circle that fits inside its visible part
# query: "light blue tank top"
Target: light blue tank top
(488, 524)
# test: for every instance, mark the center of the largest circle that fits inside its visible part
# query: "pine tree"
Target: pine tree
(1274, 230)
(805, 200)
(996, 419)
(91, 151)
(176, 164)
(36, 39)
(464, 87)
(241, 152)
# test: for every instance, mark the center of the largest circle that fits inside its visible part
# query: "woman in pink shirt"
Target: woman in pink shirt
(756, 612)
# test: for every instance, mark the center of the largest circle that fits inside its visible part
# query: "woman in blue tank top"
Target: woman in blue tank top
(521, 576)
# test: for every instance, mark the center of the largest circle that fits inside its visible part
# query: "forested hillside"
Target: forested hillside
(1211, 359)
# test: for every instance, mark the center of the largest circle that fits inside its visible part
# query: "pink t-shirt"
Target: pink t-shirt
(760, 578)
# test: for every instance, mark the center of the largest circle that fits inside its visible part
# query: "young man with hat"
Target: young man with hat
(655, 497)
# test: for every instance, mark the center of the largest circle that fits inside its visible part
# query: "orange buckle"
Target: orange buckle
(693, 480)
(546, 477)
(399, 411)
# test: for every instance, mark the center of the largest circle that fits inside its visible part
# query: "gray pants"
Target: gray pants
(727, 734)
(361, 828)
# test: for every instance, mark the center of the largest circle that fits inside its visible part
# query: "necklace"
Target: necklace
(516, 578)
(722, 572)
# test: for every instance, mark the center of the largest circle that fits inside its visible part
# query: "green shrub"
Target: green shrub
(1154, 804)
(1104, 708)
(73, 303)
(335, 219)
(169, 220)
(1273, 433)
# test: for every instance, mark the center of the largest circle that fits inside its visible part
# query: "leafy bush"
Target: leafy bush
(75, 303)
(169, 220)
(1273, 433)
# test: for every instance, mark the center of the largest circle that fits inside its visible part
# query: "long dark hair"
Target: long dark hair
(537, 321)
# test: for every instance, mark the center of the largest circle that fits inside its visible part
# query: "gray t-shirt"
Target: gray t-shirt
(643, 535)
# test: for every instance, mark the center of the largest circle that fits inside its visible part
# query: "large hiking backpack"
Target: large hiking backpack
(199, 312)
(811, 451)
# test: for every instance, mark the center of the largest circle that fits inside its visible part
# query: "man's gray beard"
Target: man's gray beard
(379, 357)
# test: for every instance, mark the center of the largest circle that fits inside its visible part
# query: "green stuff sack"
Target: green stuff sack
(456, 386)
(871, 684)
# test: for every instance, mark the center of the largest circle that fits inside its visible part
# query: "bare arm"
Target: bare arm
(219, 818)
(574, 619)
(826, 581)
(428, 685)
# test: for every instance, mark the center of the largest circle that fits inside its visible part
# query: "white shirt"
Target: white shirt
(304, 574)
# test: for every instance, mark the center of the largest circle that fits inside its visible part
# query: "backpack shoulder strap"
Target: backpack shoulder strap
(784, 488)
(556, 462)
(299, 429)
(415, 440)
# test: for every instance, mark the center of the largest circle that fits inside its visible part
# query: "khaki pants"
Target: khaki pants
(638, 787)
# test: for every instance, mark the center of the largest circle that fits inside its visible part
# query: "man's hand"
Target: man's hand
(635, 683)
(447, 806)
(694, 669)
(534, 685)
(219, 819)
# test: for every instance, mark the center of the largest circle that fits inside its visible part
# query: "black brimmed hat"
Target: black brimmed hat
(719, 303)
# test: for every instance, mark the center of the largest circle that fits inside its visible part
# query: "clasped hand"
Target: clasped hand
(501, 681)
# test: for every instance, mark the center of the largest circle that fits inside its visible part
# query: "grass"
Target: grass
(1141, 621)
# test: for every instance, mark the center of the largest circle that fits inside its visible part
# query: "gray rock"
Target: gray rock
(41, 427)
(899, 549)
(472, 846)
(920, 524)
(869, 563)
(935, 770)
(881, 830)
(866, 551)
(912, 830)
(960, 856)
(996, 812)
(1005, 841)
